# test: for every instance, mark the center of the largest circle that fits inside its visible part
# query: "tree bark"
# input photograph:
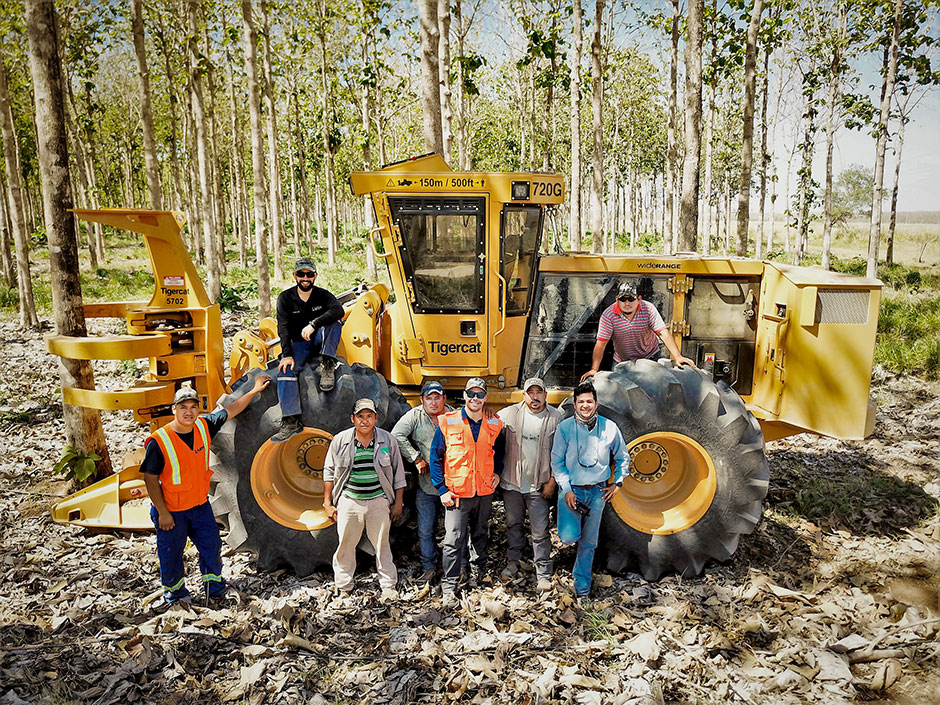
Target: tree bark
(669, 232)
(146, 111)
(239, 221)
(250, 40)
(903, 118)
(7, 255)
(367, 211)
(887, 94)
(274, 172)
(597, 112)
(574, 212)
(765, 86)
(177, 195)
(443, 53)
(82, 426)
(430, 77)
(329, 118)
(747, 140)
(835, 71)
(688, 207)
(14, 196)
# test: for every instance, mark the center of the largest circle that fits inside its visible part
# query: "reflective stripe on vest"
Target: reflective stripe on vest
(185, 478)
(472, 472)
(169, 450)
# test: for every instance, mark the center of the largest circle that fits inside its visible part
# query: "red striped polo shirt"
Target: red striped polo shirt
(632, 339)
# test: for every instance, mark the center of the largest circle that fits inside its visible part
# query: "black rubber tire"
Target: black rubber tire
(644, 397)
(235, 445)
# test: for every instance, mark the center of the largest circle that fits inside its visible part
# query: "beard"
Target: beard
(305, 284)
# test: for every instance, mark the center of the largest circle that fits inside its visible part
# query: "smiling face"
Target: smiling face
(535, 399)
(585, 405)
(433, 403)
(305, 279)
(186, 412)
(474, 400)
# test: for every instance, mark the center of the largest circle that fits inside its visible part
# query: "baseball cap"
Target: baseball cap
(185, 393)
(305, 264)
(626, 288)
(475, 382)
(363, 404)
(533, 382)
(431, 388)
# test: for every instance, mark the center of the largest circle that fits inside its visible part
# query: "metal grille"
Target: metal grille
(842, 307)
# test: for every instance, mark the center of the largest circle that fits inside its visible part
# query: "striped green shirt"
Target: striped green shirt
(363, 480)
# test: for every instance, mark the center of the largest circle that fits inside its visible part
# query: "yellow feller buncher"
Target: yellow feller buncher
(479, 293)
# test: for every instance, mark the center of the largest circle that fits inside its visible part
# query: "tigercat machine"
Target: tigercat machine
(478, 290)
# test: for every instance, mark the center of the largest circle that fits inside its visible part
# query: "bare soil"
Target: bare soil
(833, 599)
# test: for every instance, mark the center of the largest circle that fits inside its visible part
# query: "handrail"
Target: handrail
(505, 295)
(372, 232)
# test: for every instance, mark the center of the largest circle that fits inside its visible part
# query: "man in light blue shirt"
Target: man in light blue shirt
(582, 451)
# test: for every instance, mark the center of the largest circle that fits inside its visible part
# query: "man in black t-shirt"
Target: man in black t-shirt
(309, 322)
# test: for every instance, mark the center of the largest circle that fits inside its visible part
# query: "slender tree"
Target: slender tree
(688, 207)
(82, 425)
(672, 146)
(274, 172)
(430, 76)
(443, 58)
(597, 112)
(574, 195)
(747, 142)
(146, 111)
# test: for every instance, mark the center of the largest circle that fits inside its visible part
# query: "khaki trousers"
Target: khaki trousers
(354, 515)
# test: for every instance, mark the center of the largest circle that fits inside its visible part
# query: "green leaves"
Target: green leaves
(76, 464)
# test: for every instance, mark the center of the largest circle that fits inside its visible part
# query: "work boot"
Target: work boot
(510, 571)
(448, 599)
(427, 576)
(290, 426)
(544, 585)
(327, 372)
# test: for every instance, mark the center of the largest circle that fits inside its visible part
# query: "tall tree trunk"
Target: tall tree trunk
(238, 166)
(250, 41)
(707, 187)
(443, 58)
(765, 86)
(329, 121)
(302, 162)
(430, 77)
(887, 94)
(902, 111)
(747, 140)
(805, 180)
(177, 196)
(274, 171)
(462, 146)
(367, 143)
(597, 112)
(7, 255)
(669, 231)
(17, 210)
(835, 71)
(206, 190)
(82, 426)
(146, 111)
(688, 207)
(574, 212)
(215, 160)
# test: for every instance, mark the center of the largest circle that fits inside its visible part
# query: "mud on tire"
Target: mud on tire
(235, 445)
(645, 398)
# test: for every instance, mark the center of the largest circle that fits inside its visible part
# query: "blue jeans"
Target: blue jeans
(324, 342)
(572, 527)
(197, 524)
(427, 505)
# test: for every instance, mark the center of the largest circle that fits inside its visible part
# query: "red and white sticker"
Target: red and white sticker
(173, 281)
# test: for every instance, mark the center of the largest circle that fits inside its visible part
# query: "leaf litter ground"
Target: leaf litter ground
(833, 599)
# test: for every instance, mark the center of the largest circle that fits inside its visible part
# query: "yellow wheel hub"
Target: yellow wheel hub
(287, 480)
(671, 485)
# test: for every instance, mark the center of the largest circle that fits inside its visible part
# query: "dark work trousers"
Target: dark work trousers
(197, 524)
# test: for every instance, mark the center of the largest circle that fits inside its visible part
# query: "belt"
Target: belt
(587, 487)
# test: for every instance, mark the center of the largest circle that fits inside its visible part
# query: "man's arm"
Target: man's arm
(674, 352)
(164, 518)
(438, 449)
(238, 406)
(282, 330)
(402, 431)
(596, 358)
(559, 469)
(328, 507)
(332, 314)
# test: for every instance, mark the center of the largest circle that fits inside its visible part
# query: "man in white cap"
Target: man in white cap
(176, 472)
(414, 432)
(527, 481)
(636, 328)
(466, 461)
(363, 487)
(309, 322)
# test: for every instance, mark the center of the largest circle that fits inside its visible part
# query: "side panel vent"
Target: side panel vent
(842, 307)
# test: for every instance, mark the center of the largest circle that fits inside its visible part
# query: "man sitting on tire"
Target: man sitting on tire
(636, 328)
(414, 433)
(309, 322)
(176, 472)
(363, 487)
(581, 454)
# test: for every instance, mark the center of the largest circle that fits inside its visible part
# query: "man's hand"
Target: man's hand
(494, 483)
(261, 382)
(571, 500)
(609, 491)
(166, 520)
(447, 499)
(286, 363)
(331, 511)
(548, 489)
(683, 360)
(307, 332)
(589, 373)
(422, 465)
(395, 512)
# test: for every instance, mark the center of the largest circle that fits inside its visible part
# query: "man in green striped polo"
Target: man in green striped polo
(363, 485)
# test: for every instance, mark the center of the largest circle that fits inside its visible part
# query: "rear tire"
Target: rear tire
(698, 469)
(288, 466)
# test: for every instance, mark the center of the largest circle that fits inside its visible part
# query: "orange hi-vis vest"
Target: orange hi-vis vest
(186, 473)
(468, 464)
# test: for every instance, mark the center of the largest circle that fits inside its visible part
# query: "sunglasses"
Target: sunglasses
(305, 275)
(475, 395)
(629, 298)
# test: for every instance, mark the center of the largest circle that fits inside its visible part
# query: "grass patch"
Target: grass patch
(909, 333)
(597, 626)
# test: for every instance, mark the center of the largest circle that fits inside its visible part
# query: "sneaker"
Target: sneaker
(427, 576)
(583, 601)
(510, 571)
(477, 576)
(290, 426)
(389, 595)
(448, 598)
(225, 601)
(327, 373)
(544, 585)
